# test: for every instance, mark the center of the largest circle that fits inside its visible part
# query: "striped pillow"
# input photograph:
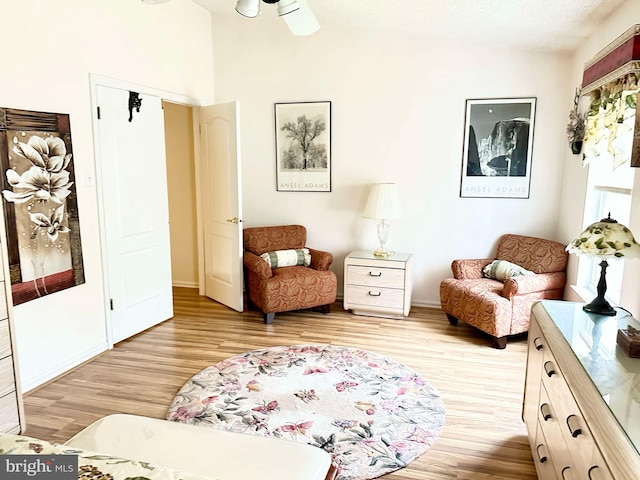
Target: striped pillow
(287, 258)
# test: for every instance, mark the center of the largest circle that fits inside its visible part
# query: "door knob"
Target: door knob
(233, 220)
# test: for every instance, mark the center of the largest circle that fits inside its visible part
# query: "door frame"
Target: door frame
(100, 80)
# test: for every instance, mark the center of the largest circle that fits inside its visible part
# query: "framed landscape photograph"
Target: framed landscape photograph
(497, 149)
(303, 147)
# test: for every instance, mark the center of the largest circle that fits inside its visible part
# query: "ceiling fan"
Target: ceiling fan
(296, 13)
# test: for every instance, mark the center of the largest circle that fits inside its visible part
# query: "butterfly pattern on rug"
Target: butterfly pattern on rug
(373, 414)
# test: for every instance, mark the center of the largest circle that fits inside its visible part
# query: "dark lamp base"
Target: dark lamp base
(599, 306)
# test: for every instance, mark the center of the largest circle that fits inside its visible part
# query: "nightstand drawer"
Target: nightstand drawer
(373, 276)
(375, 297)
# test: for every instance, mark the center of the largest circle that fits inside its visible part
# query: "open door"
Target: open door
(221, 204)
(131, 153)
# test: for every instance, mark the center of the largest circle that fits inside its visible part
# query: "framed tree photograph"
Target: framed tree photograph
(497, 149)
(303, 147)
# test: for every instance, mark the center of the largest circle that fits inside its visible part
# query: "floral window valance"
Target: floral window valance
(611, 120)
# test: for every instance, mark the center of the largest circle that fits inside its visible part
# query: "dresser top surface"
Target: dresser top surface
(592, 339)
(368, 255)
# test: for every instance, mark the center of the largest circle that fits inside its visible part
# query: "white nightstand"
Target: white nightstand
(378, 287)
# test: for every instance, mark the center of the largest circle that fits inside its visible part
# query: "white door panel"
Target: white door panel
(132, 165)
(222, 205)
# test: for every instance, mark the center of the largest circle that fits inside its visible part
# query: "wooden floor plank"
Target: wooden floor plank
(483, 438)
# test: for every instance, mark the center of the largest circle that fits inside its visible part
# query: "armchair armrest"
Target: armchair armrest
(469, 268)
(320, 260)
(539, 282)
(257, 265)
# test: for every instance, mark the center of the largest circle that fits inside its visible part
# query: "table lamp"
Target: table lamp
(604, 239)
(382, 205)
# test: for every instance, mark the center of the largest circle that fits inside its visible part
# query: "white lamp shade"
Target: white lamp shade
(606, 239)
(382, 203)
(248, 8)
(154, 2)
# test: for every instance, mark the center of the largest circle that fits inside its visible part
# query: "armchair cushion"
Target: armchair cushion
(287, 258)
(501, 270)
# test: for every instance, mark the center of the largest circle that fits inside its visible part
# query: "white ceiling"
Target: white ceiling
(556, 25)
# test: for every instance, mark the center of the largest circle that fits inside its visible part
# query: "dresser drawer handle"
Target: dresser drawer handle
(373, 274)
(573, 423)
(595, 473)
(538, 343)
(542, 453)
(548, 367)
(374, 294)
(545, 409)
(566, 473)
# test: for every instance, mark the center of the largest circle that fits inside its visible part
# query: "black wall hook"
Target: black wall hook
(134, 102)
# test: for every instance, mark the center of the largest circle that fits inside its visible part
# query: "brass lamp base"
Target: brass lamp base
(380, 253)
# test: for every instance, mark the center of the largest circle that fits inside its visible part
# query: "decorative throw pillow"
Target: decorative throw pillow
(501, 270)
(287, 258)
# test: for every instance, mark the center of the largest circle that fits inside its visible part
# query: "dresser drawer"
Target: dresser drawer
(375, 297)
(3, 301)
(7, 380)
(374, 276)
(578, 438)
(5, 339)
(9, 420)
(549, 422)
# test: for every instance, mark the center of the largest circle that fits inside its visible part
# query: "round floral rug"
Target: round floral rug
(374, 415)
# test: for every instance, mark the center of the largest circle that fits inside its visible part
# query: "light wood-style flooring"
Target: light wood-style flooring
(483, 438)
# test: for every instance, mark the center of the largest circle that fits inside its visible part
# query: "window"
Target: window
(608, 192)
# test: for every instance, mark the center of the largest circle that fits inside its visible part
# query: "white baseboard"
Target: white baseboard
(185, 284)
(55, 371)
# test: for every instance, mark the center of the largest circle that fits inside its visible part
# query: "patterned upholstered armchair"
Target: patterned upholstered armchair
(502, 308)
(272, 288)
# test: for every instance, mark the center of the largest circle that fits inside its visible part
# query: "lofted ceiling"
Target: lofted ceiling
(551, 25)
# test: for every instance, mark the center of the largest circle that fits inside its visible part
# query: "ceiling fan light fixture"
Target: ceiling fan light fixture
(287, 6)
(248, 8)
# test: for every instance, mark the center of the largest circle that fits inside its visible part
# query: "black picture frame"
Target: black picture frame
(498, 147)
(303, 146)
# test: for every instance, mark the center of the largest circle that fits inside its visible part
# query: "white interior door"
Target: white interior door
(132, 165)
(221, 204)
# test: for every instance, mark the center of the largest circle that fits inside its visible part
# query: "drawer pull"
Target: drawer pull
(566, 473)
(573, 423)
(545, 409)
(538, 343)
(372, 274)
(542, 453)
(374, 294)
(595, 473)
(549, 368)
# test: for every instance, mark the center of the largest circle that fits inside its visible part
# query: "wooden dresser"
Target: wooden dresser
(11, 409)
(582, 395)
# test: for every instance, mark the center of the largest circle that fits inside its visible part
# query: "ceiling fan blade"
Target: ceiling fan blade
(302, 21)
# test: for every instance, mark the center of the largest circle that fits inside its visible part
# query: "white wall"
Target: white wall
(398, 105)
(51, 47)
(575, 176)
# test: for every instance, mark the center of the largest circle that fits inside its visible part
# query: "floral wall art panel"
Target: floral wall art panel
(303, 147)
(40, 203)
(497, 151)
